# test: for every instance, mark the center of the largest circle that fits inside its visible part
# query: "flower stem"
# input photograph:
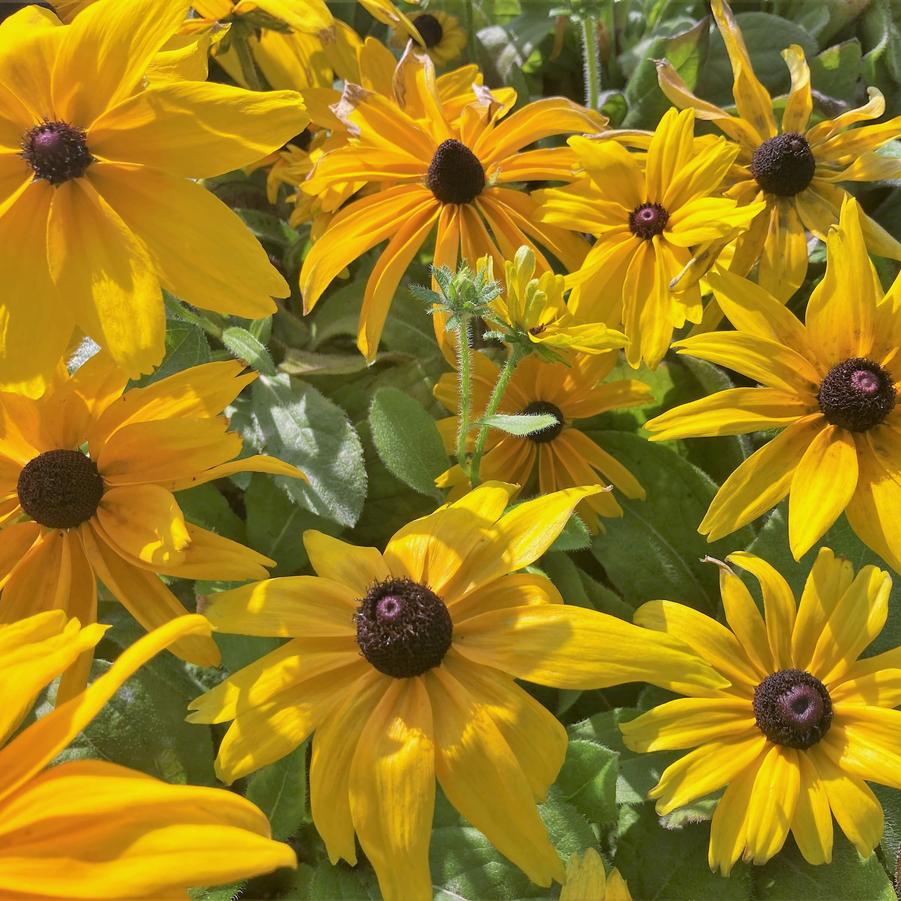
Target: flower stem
(591, 61)
(248, 67)
(469, 21)
(464, 388)
(497, 394)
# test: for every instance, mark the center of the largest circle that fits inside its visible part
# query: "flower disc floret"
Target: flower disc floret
(60, 489)
(793, 708)
(403, 628)
(783, 165)
(57, 152)
(648, 220)
(550, 432)
(455, 174)
(429, 29)
(857, 394)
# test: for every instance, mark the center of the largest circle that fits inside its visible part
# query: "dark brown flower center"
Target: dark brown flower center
(57, 152)
(792, 708)
(857, 394)
(455, 174)
(783, 165)
(60, 489)
(429, 29)
(648, 220)
(9, 7)
(403, 628)
(545, 408)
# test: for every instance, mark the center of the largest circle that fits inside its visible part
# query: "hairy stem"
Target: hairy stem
(591, 61)
(497, 394)
(464, 388)
(248, 66)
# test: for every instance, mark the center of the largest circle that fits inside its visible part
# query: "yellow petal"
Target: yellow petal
(350, 565)
(746, 622)
(210, 556)
(688, 722)
(773, 802)
(571, 647)
(812, 825)
(783, 263)
(728, 830)
(670, 150)
(392, 790)
(761, 481)
(253, 463)
(613, 169)
(821, 488)
(585, 878)
(800, 102)
(864, 742)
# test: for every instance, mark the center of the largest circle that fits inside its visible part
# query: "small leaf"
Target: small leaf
(242, 345)
(520, 424)
(279, 790)
(186, 346)
(407, 441)
(574, 537)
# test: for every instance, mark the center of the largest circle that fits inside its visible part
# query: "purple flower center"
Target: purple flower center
(648, 220)
(857, 394)
(792, 708)
(57, 152)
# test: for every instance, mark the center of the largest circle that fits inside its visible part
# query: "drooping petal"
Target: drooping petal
(392, 790)
(728, 829)
(821, 488)
(761, 481)
(783, 263)
(812, 826)
(800, 102)
(773, 802)
(470, 754)
(745, 621)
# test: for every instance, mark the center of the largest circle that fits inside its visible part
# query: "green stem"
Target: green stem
(464, 388)
(497, 394)
(248, 66)
(591, 61)
(469, 21)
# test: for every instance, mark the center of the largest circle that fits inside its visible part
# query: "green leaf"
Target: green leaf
(672, 863)
(574, 537)
(245, 347)
(836, 71)
(280, 791)
(206, 506)
(588, 779)
(407, 441)
(186, 346)
(687, 53)
(520, 424)
(654, 551)
(304, 428)
(788, 876)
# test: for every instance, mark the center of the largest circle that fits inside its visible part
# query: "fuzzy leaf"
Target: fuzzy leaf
(520, 424)
(245, 347)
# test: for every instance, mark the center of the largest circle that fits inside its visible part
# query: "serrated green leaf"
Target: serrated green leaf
(304, 428)
(574, 537)
(241, 344)
(407, 441)
(186, 346)
(280, 791)
(588, 779)
(206, 506)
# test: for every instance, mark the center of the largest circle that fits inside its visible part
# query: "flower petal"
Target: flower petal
(728, 829)
(356, 567)
(812, 826)
(800, 102)
(689, 722)
(773, 802)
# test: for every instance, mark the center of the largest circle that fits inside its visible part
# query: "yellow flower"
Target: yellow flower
(98, 207)
(94, 469)
(804, 722)
(645, 221)
(587, 881)
(304, 16)
(442, 36)
(831, 385)
(404, 663)
(566, 457)
(535, 306)
(91, 829)
(430, 173)
(796, 170)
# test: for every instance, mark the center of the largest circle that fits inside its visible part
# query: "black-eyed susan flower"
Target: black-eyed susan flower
(646, 219)
(796, 168)
(804, 724)
(563, 456)
(98, 207)
(404, 662)
(830, 385)
(535, 307)
(87, 475)
(426, 173)
(92, 829)
(442, 35)
(586, 880)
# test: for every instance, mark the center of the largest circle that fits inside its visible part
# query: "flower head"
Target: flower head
(403, 662)
(561, 455)
(100, 207)
(534, 308)
(428, 168)
(126, 834)
(87, 475)
(795, 168)
(441, 35)
(831, 385)
(803, 725)
(645, 220)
